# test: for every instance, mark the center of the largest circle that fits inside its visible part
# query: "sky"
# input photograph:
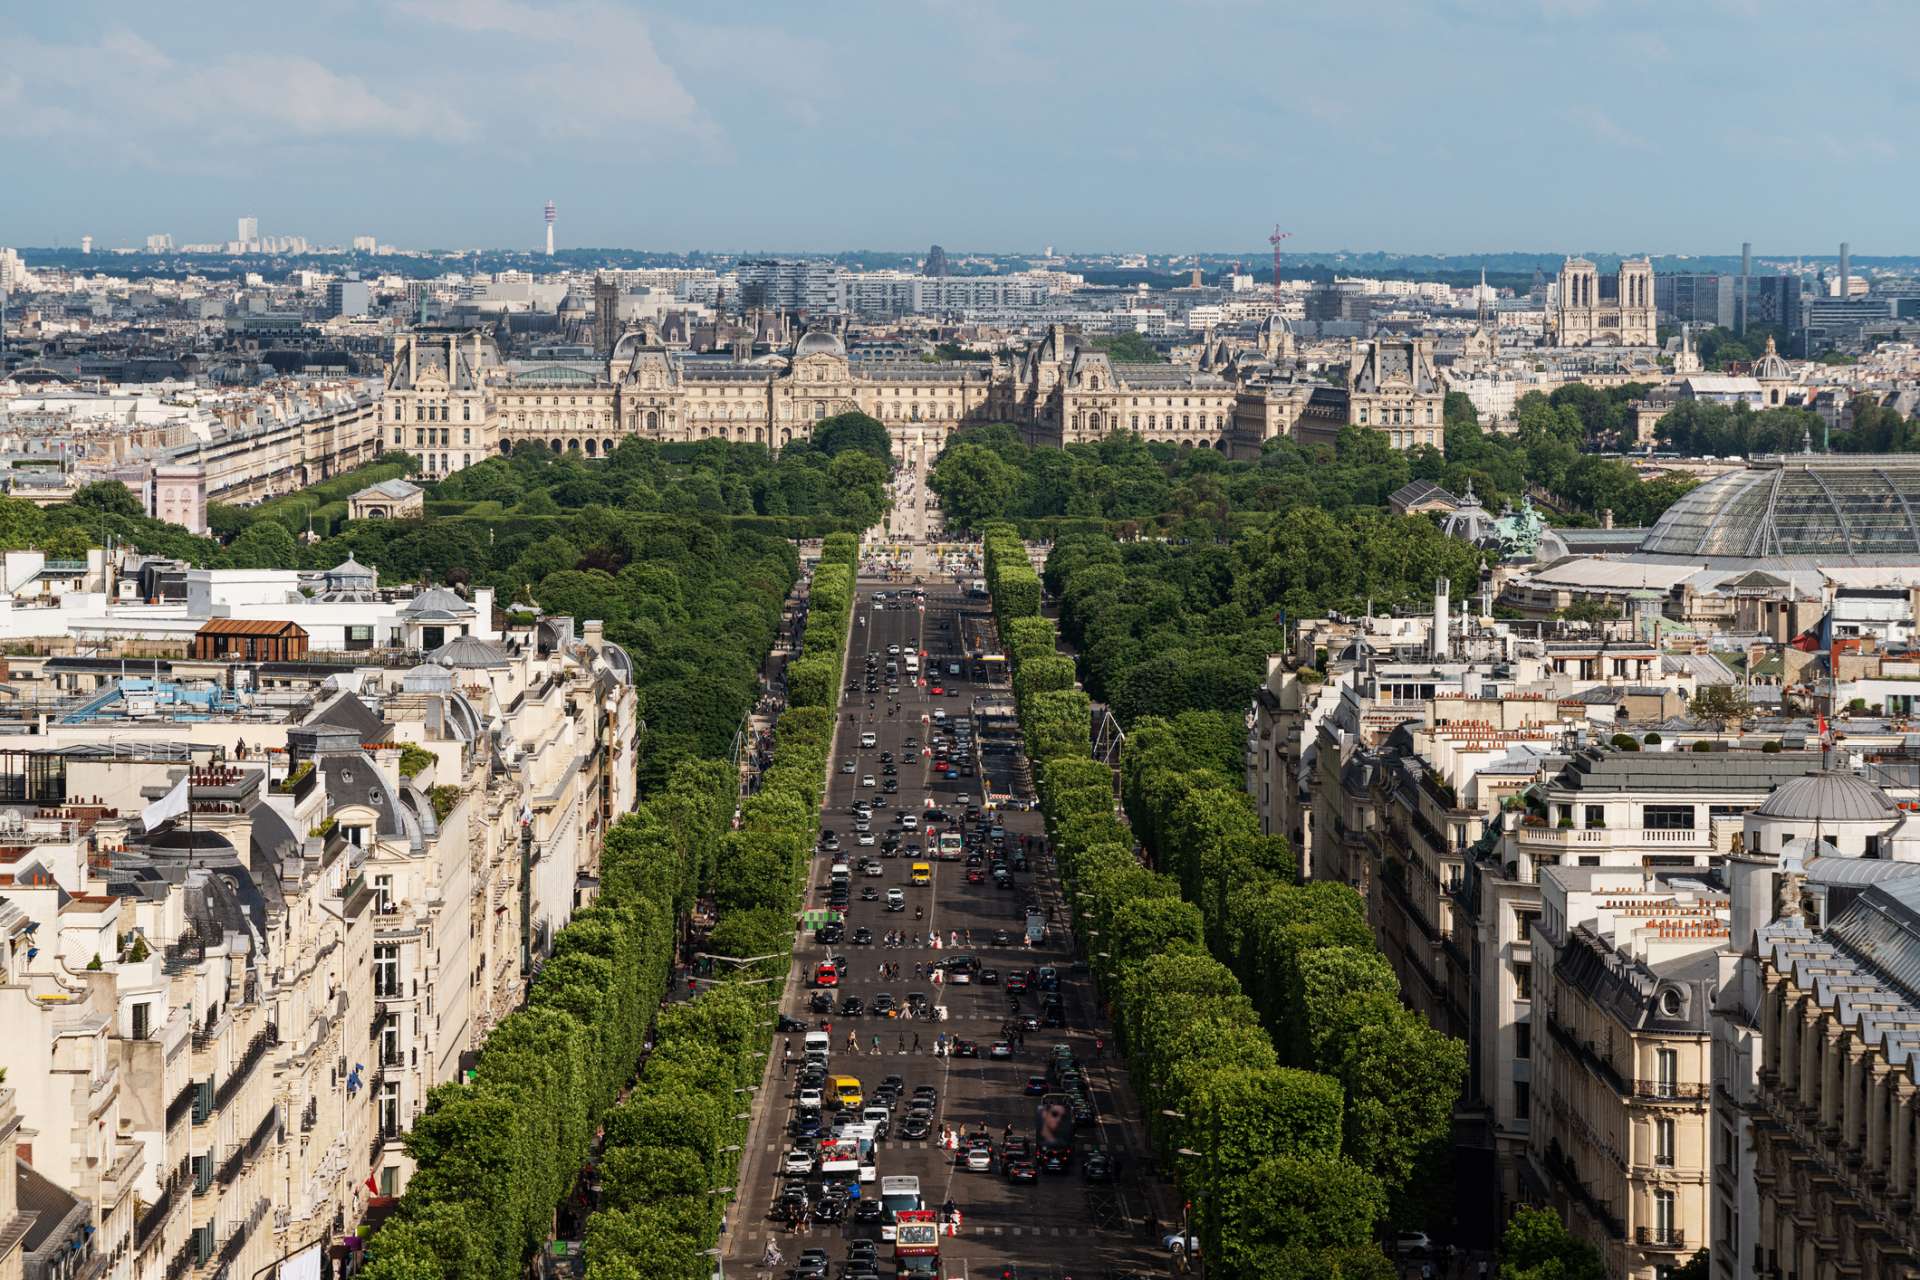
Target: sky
(1443, 126)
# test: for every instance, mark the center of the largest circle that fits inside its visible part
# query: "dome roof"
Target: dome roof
(819, 342)
(1828, 796)
(437, 600)
(1770, 367)
(468, 653)
(1812, 504)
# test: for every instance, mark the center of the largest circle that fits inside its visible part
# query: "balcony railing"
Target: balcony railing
(1561, 838)
(181, 1106)
(256, 1050)
(1671, 1091)
(1660, 1237)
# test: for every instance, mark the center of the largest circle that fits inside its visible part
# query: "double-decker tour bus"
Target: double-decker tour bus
(916, 1243)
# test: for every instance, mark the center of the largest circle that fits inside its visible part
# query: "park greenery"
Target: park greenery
(1129, 485)
(1302, 1106)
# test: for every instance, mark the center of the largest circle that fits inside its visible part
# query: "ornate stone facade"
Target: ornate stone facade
(1592, 310)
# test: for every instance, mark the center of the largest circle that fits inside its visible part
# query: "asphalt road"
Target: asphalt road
(1061, 1225)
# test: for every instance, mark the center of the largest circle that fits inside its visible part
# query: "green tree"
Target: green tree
(265, 545)
(1537, 1246)
(1720, 705)
(1128, 348)
(974, 485)
(853, 430)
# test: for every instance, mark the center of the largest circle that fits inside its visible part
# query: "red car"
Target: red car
(976, 876)
(937, 691)
(825, 975)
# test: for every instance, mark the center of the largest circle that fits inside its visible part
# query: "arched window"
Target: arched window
(653, 420)
(592, 449)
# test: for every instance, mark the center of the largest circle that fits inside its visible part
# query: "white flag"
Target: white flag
(170, 805)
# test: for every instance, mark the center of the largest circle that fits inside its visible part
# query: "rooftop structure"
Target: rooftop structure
(1818, 505)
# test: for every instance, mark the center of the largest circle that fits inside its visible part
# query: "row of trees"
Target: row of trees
(1258, 1145)
(497, 1153)
(673, 1148)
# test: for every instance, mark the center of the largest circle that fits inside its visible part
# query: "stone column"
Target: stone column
(1851, 1068)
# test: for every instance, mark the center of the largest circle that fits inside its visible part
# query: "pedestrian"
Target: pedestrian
(903, 1045)
(916, 1042)
(876, 1046)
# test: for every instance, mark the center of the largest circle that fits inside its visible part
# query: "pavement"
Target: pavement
(1060, 1226)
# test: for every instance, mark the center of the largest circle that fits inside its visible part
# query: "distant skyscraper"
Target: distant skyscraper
(549, 228)
(162, 243)
(1846, 272)
(936, 262)
(365, 244)
(249, 230)
(348, 297)
(86, 244)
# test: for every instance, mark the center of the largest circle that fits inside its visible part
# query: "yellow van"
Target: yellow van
(846, 1091)
(922, 873)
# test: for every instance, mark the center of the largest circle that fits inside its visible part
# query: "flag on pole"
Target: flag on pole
(170, 805)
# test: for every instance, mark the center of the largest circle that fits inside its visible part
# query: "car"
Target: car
(830, 1208)
(893, 651)
(1020, 1170)
(911, 741)
(891, 786)
(883, 1004)
(867, 781)
(916, 1126)
(925, 1092)
(936, 691)
(1053, 1016)
(872, 868)
(820, 1002)
(852, 1006)
(896, 900)
(869, 1209)
(1001, 938)
(1412, 1244)
(863, 936)
(886, 757)
(796, 1161)
(976, 875)
(990, 976)
(963, 798)
(1025, 1021)
(806, 1124)
(980, 1159)
(889, 770)
(1000, 1049)
(1037, 1086)
(1017, 982)
(869, 740)
(786, 1023)
(1049, 978)
(846, 766)
(810, 1098)
(865, 840)
(829, 932)
(1097, 1166)
(1056, 1160)
(868, 894)
(965, 1049)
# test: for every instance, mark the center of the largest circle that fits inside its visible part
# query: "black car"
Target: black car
(852, 1006)
(1097, 1166)
(1020, 1170)
(830, 1208)
(790, 1206)
(916, 1126)
(883, 1004)
(1052, 1160)
(806, 1123)
(863, 936)
(821, 1002)
(965, 1049)
(829, 933)
(785, 1023)
(1053, 1015)
(868, 1209)
(1049, 978)
(1001, 938)
(989, 977)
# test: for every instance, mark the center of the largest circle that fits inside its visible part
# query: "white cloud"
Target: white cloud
(582, 69)
(1604, 128)
(125, 89)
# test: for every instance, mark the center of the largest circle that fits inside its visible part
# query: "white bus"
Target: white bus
(897, 1193)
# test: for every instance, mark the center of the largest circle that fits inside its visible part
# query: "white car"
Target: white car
(873, 869)
(980, 1159)
(808, 1098)
(867, 781)
(869, 740)
(797, 1161)
(893, 651)
(911, 821)
(865, 839)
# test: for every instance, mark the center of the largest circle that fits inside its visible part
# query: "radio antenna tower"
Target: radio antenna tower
(1274, 240)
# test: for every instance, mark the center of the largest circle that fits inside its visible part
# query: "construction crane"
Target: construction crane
(1274, 240)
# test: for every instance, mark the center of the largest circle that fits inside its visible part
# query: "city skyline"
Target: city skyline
(1412, 133)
